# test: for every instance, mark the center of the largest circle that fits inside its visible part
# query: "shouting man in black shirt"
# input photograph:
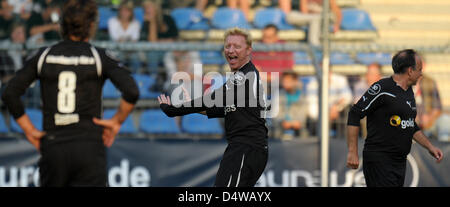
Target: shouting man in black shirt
(72, 74)
(241, 102)
(391, 110)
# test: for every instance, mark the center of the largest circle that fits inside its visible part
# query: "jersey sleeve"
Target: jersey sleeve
(216, 111)
(372, 99)
(183, 109)
(120, 77)
(18, 85)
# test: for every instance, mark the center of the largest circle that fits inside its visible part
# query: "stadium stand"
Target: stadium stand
(274, 16)
(154, 121)
(356, 19)
(225, 18)
(35, 117)
(139, 14)
(110, 91)
(127, 127)
(3, 126)
(105, 13)
(200, 124)
(189, 19)
(145, 84)
(371, 31)
(378, 57)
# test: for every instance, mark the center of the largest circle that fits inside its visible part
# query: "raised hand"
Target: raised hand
(163, 99)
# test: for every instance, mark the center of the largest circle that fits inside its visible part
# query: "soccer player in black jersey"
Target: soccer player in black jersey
(71, 75)
(391, 111)
(241, 102)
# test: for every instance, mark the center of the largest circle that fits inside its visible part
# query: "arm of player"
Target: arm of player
(370, 101)
(33, 135)
(11, 98)
(172, 111)
(352, 145)
(424, 142)
(112, 126)
(122, 79)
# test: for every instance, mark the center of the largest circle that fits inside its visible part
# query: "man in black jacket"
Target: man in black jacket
(241, 102)
(71, 75)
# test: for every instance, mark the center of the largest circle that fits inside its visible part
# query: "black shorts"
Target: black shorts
(241, 166)
(73, 163)
(384, 170)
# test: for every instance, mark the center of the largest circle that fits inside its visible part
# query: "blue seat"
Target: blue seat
(355, 19)
(189, 19)
(139, 14)
(127, 126)
(156, 122)
(374, 57)
(35, 118)
(104, 13)
(145, 83)
(110, 91)
(3, 127)
(302, 58)
(338, 58)
(274, 16)
(212, 57)
(200, 124)
(225, 18)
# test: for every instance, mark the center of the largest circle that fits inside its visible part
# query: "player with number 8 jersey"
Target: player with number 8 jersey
(71, 74)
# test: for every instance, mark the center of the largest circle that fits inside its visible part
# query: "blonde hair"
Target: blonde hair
(159, 15)
(241, 32)
(128, 5)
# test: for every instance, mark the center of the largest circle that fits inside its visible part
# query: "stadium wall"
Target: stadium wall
(191, 163)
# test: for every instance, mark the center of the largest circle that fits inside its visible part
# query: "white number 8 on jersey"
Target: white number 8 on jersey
(66, 96)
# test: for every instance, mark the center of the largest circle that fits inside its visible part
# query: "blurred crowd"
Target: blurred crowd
(36, 21)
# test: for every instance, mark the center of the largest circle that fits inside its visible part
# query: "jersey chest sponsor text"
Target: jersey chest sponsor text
(397, 121)
(230, 108)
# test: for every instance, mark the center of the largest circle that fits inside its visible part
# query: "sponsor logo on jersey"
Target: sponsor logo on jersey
(375, 89)
(74, 60)
(396, 121)
(238, 78)
(230, 108)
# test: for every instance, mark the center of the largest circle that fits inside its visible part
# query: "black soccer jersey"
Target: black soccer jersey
(242, 106)
(71, 76)
(391, 113)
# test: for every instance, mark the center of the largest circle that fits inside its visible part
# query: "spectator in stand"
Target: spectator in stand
(428, 103)
(340, 98)
(372, 75)
(6, 19)
(12, 60)
(125, 28)
(44, 26)
(243, 5)
(310, 14)
(172, 4)
(272, 61)
(157, 27)
(292, 106)
(183, 61)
